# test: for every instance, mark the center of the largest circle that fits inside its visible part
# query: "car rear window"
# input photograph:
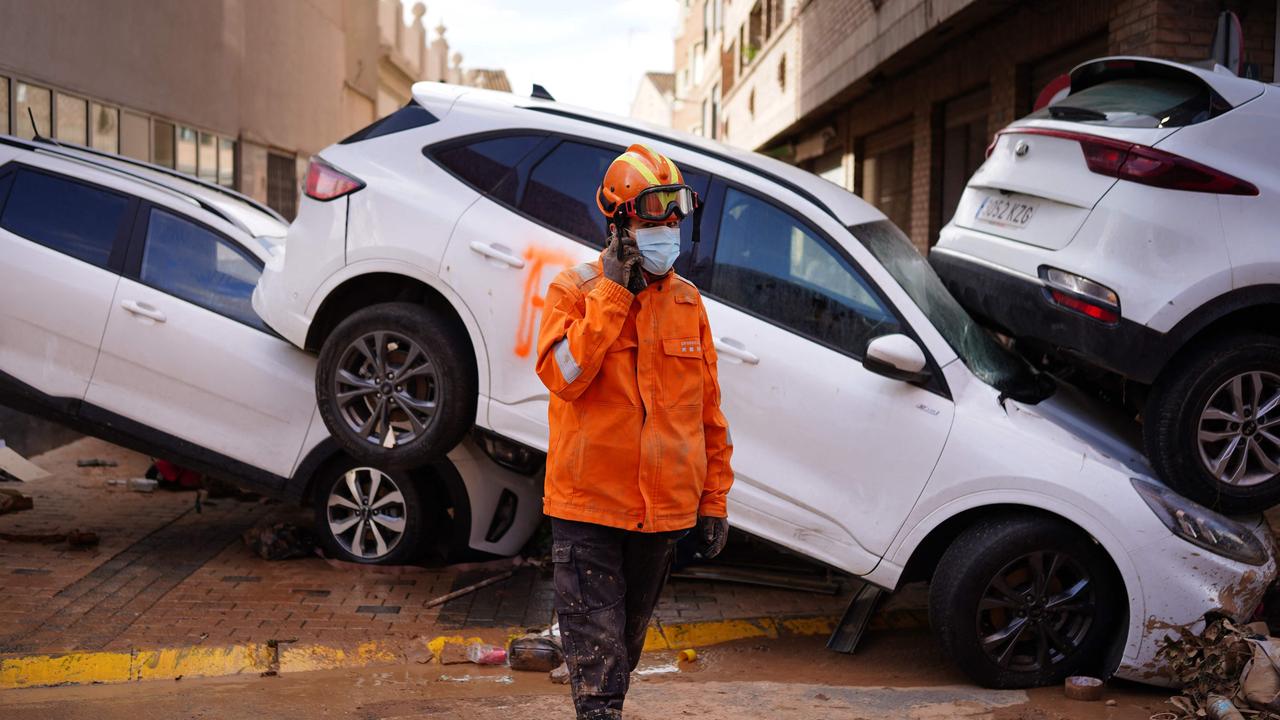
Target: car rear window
(406, 118)
(1147, 102)
(73, 218)
(489, 165)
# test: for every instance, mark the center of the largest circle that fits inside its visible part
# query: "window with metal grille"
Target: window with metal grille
(282, 185)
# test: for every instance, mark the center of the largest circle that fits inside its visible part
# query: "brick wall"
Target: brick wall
(994, 47)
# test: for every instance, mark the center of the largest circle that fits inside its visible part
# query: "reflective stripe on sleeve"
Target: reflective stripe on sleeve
(584, 271)
(569, 369)
(728, 437)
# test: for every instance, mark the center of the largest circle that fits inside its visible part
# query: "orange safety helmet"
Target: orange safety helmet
(642, 183)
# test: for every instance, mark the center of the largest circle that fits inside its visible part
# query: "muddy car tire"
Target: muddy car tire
(369, 515)
(395, 385)
(1212, 424)
(1024, 601)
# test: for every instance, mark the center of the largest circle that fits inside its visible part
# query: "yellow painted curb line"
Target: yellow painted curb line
(82, 668)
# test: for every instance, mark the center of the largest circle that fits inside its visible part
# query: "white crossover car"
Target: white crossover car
(125, 313)
(876, 427)
(1127, 235)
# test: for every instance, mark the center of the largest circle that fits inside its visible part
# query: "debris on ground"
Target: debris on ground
(96, 462)
(688, 655)
(534, 653)
(73, 539)
(1224, 662)
(280, 541)
(482, 654)
(18, 467)
(1082, 688)
(142, 484)
(560, 675)
(470, 588)
(12, 501)
(761, 577)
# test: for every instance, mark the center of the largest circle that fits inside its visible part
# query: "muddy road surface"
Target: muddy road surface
(896, 674)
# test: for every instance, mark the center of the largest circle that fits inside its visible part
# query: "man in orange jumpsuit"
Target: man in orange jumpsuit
(639, 449)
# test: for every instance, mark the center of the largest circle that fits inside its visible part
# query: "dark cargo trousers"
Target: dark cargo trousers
(607, 583)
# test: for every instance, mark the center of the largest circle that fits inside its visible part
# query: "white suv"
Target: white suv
(876, 427)
(1127, 234)
(125, 313)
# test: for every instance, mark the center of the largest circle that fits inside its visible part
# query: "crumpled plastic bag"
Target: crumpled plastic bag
(1260, 679)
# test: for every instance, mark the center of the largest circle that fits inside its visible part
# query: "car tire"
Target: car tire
(363, 404)
(369, 515)
(1186, 429)
(984, 593)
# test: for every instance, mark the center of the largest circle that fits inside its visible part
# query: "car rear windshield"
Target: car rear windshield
(1144, 102)
(406, 118)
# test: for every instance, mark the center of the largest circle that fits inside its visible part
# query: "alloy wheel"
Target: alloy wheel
(367, 513)
(387, 389)
(1239, 443)
(1036, 611)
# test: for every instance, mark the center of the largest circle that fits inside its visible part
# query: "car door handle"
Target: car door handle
(143, 309)
(498, 252)
(735, 349)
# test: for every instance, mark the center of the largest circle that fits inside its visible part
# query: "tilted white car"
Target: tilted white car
(876, 427)
(125, 313)
(1128, 234)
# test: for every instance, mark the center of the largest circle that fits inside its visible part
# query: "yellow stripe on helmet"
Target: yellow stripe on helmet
(676, 178)
(635, 162)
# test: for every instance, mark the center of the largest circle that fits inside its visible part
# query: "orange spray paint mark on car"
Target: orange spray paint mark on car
(537, 260)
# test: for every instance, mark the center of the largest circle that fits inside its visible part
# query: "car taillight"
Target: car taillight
(326, 182)
(1078, 293)
(1147, 165)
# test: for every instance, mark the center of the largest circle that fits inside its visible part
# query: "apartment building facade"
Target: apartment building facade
(237, 92)
(896, 100)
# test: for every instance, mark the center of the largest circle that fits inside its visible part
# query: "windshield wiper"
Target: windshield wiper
(1067, 112)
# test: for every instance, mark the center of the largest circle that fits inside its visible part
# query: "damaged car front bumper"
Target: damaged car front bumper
(1180, 586)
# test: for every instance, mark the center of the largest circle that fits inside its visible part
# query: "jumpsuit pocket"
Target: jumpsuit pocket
(682, 371)
(565, 577)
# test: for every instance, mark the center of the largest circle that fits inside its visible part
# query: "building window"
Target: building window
(886, 173)
(186, 154)
(32, 100)
(135, 136)
(162, 146)
(207, 157)
(706, 23)
(282, 184)
(73, 119)
(961, 152)
(830, 167)
(226, 162)
(755, 34)
(4, 105)
(104, 131)
(714, 123)
(699, 55)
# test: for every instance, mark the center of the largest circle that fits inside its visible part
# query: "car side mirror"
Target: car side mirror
(896, 356)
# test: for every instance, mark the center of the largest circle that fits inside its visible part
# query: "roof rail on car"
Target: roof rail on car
(727, 159)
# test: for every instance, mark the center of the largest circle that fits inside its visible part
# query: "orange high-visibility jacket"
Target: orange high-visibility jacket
(637, 437)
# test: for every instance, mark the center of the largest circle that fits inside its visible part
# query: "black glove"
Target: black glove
(621, 262)
(712, 533)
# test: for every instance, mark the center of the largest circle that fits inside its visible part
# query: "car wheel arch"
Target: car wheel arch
(1252, 309)
(360, 289)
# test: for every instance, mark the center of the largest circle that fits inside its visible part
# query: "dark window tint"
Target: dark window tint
(199, 266)
(562, 190)
(66, 216)
(1143, 102)
(771, 264)
(406, 118)
(489, 165)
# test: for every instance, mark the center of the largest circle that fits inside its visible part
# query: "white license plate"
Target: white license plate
(1006, 212)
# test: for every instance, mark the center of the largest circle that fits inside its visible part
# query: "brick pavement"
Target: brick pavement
(165, 576)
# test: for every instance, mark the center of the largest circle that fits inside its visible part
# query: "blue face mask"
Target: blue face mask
(659, 247)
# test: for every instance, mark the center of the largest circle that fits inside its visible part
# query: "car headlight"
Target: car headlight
(1201, 526)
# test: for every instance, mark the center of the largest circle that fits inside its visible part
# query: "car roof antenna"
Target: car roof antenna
(35, 129)
(539, 92)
